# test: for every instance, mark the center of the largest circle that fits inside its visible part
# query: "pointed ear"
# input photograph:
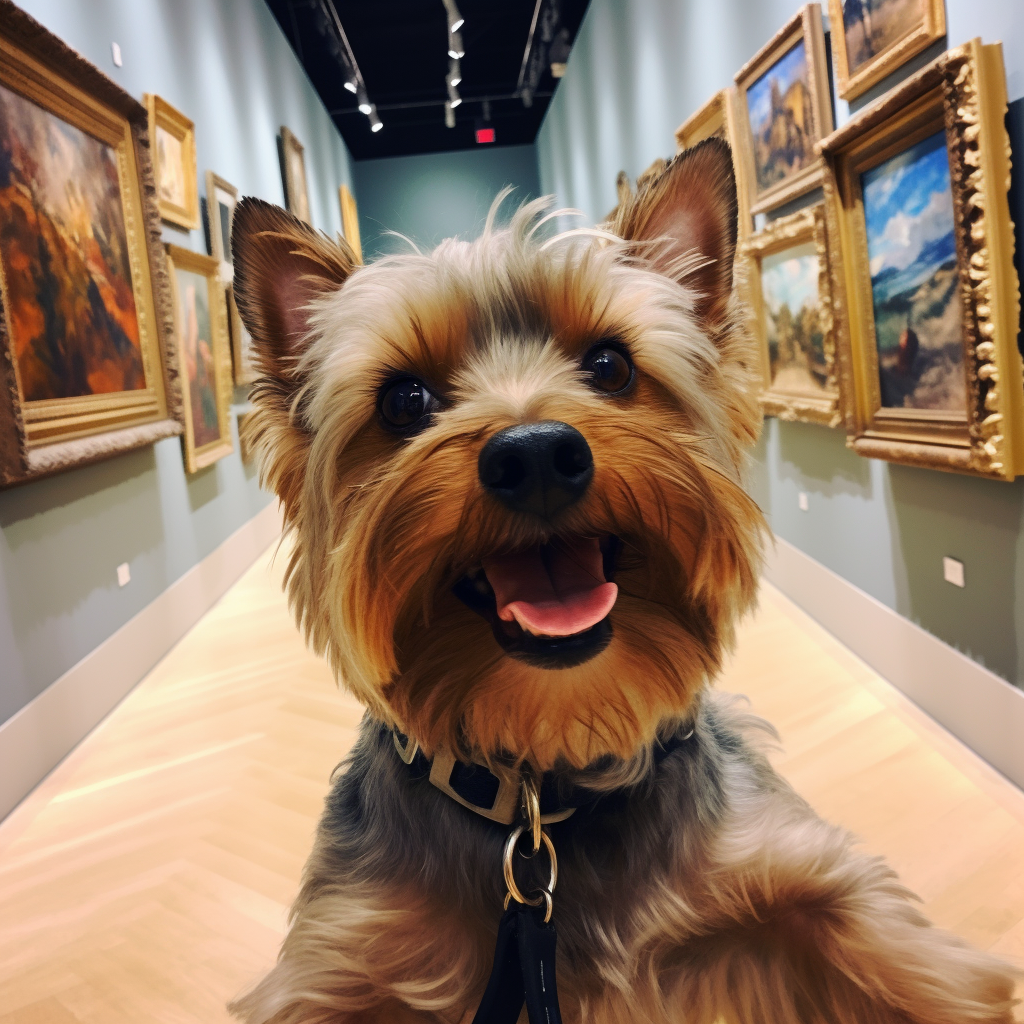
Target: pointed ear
(692, 205)
(281, 265)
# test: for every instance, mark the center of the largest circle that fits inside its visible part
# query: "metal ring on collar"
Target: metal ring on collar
(510, 879)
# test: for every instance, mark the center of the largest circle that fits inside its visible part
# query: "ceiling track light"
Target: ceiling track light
(353, 78)
(449, 114)
(350, 84)
(455, 48)
(375, 122)
(365, 106)
(455, 20)
(454, 71)
(453, 95)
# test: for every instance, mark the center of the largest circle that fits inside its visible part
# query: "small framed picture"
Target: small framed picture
(718, 118)
(293, 167)
(242, 351)
(350, 220)
(877, 38)
(173, 138)
(200, 321)
(785, 111)
(83, 294)
(916, 194)
(221, 200)
(791, 297)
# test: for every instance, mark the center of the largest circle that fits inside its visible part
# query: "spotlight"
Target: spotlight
(364, 101)
(454, 71)
(375, 122)
(350, 84)
(453, 95)
(455, 47)
(449, 114)
(455, 20)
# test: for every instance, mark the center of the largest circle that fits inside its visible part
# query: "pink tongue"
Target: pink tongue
(556, 590)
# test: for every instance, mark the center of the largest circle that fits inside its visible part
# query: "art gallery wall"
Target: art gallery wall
(437, 195)
(227, 66)
(638, 69)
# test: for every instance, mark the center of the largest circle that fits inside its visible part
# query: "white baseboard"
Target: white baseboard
(975, 705)
(39, 736)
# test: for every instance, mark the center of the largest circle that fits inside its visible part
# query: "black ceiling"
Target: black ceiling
(401, 47)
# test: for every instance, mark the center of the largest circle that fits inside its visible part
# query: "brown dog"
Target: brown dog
(511, 472)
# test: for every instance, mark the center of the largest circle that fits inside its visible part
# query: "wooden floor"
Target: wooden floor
(147, 879)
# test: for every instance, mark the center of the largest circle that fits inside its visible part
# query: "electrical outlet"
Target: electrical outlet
(953, 571)
(803, 501)
(124, 574)
(115, 53)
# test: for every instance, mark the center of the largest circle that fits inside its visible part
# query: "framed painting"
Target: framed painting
(718, 118)
(350, 220)
(787, 273)
(784, 112)
(916, 194)
(879, 36)
(242, 351)
(221, 200)
(200, 320)
(83, 291)
(174, 162)
(293, 167)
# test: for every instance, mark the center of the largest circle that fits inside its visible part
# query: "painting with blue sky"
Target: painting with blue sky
(796, 345)
(908, 213)
(781, 125)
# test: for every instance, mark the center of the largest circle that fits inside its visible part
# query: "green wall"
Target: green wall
(637, 70)
(226, 64)
(437, 195)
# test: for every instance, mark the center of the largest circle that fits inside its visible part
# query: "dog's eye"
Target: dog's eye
(405, 404)
(609, 368)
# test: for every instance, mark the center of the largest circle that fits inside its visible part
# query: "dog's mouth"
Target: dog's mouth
(548, 605)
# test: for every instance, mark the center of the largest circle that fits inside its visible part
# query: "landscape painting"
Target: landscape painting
(196, 340)
(796, 344)
(915, 283)
(781, 119)
(70, 304)
(873, 26)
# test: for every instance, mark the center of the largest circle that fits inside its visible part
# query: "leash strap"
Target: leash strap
(523, 971)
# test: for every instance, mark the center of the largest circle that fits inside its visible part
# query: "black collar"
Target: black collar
(497, 794)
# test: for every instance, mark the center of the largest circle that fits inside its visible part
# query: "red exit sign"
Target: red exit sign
(485, 135)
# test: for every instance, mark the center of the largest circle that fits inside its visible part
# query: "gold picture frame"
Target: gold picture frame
(804, 385)
(83, 335)
(783, 90)
(350, 220)
(902, 35)
(962, 409)
(242, 351)
(205, 366)
(719, 118)
(221, 200)
(173, 138)
(293, 171)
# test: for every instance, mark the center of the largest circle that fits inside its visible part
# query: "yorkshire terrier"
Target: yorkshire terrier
(512, 472)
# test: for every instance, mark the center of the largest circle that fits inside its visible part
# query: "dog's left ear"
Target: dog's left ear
(691, 205)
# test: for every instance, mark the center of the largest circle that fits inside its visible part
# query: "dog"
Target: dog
(511, 469)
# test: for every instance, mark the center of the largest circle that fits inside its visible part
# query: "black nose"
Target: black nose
(537, 467)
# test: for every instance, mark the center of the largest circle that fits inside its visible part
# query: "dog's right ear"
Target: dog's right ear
(281, 265)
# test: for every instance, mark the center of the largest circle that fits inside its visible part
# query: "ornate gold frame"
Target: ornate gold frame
(964, 93)
(163, 115)
(207, 266)
(38, 438)
(805, 26)
(290, 144)
(350, 220)
(931, 29)
(807, 225)
(719, 117)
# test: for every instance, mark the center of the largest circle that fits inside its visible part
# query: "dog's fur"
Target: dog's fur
(699, 886)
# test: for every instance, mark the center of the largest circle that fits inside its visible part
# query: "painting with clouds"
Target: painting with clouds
(908, 209)
(796, 345)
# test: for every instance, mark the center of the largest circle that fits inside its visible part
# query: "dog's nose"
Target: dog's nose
(537, 467)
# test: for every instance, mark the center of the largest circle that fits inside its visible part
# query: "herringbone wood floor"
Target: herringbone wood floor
(147, 879)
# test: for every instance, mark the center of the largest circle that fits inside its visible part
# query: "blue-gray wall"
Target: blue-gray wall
(437, 195)
(637, 70)
(226, 64)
